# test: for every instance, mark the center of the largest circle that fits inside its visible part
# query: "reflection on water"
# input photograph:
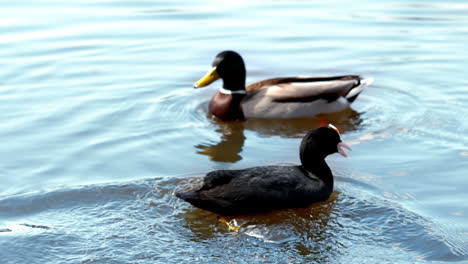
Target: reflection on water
(98, 128)
(232, 140)
(302, 231)
(230, 145)
(346, 121)
(325, 231)
(285, 225)
(139, 220)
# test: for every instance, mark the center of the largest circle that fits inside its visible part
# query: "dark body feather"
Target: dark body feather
(260, 189)
(257, 189)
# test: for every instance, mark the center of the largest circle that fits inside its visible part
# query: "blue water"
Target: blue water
(100, 127)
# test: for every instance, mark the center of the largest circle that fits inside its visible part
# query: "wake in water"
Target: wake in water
(93, 223)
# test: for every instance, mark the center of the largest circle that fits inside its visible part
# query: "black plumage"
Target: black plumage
(264, 188)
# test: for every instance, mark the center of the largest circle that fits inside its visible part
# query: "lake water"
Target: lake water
(100, 126)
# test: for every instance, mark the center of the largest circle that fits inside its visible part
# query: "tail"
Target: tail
(205, 202)
(186, 196)
(355, 91)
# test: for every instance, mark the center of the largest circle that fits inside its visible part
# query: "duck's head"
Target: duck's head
(321, 142)
(229, 66)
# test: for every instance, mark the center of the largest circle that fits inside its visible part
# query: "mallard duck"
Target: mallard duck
(259, 189)
(287, 97)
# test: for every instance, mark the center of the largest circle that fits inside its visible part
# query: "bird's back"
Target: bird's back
(257, 189)
(293, 97)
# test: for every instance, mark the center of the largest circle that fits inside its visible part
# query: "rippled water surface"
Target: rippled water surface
(100, 127)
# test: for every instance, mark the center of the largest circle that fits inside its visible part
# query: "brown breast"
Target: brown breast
(227, 106)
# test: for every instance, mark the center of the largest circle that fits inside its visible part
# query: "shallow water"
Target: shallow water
(100, 127)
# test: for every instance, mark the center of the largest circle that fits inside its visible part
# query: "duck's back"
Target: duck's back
(293, 97)
(257, 189)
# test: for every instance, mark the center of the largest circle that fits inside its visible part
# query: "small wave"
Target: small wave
(347, 222)
(23, 205)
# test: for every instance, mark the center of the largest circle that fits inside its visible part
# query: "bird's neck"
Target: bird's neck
(319, 168)
(237, 91)
(235, 82)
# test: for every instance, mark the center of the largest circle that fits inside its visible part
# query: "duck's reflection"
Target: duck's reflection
(309, 231)
(232, 141)
(232, 133)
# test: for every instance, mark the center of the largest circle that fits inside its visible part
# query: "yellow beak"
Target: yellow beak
(209, 77)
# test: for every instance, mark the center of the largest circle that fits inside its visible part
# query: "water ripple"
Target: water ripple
(100, 126)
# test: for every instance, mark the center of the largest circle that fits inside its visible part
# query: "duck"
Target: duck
(265, 188)
(287, 97)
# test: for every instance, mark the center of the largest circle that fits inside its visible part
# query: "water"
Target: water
(100, 127)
